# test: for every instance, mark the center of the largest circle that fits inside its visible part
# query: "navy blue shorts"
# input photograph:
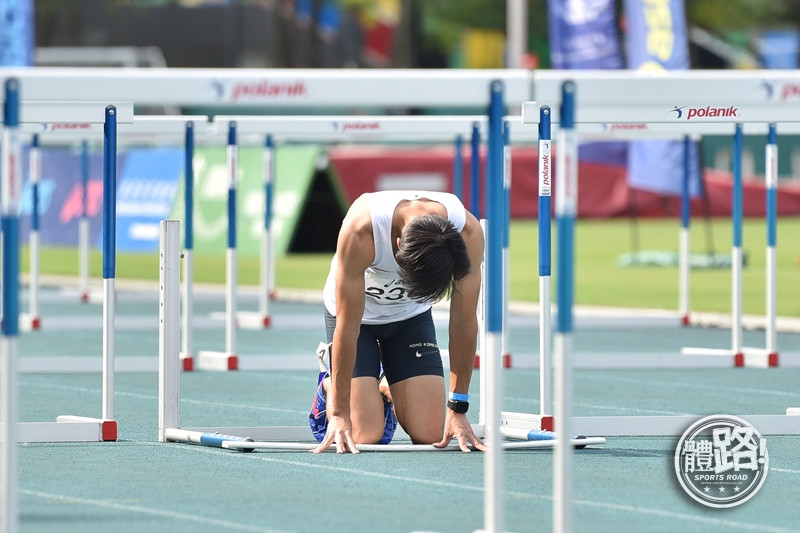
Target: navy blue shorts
(406, 349)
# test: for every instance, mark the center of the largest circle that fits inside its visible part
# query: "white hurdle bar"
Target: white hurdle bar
(280, 89)
(621, 425)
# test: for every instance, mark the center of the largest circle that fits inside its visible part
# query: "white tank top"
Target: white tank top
(386, 299)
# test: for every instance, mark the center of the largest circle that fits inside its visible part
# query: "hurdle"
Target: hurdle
(747, 356)
(636, 112)
(32, 320)
(764, 91)
(67, 428)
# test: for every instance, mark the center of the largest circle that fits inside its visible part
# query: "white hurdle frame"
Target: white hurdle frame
(66, 428)
(641, 113)
(70, 428)
(228, 359)
(763, 91)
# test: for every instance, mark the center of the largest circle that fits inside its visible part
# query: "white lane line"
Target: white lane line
(154, 397)
(140, 509)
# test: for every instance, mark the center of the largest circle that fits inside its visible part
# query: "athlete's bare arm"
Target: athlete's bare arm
(355, 250)
(463, 332)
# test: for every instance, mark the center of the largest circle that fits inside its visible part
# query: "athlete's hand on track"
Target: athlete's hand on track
(456, 426)
(340, 432)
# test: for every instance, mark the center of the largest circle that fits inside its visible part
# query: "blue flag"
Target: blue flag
(583, 35)
(657, 40)
(16, 33)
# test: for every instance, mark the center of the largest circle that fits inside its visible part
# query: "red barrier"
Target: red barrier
(603, 191)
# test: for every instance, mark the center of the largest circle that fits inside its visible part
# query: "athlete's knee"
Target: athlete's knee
(368, 433)
(426, 433)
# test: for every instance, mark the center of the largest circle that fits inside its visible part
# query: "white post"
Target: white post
(545, 252)
(168, 319)
(562, 455)
(683, 275)
(506, 340)
(566, 214)
(267, 257)
(109, 255)
(230, 256)
(35, 171)
(8, 439)
(188, 259)
(83, 227)
(188, 303)
(10, 186)
(736, 251)
(771, 179)
(83, 258)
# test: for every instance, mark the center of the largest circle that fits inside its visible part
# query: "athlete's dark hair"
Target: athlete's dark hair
(432, 255)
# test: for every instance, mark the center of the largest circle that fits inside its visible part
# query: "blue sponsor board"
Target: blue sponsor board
(61, 198)
(146, 191)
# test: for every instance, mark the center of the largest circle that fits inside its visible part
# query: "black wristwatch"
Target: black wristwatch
(458, 406)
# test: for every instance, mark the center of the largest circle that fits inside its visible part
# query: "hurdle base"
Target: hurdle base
(28, 322)
(760, 357)
(219, 361)
(297, 438)
(87, 296)
(505, 361)
(187, 362)
(526, 421)
(793, 411)
(253, 320)
(68, 428)
(738, 358)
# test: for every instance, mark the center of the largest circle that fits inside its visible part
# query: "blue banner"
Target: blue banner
(61, 197)
(657, 41)
(147, 188)
(779, 49)
(583, 35)
(16, 33)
